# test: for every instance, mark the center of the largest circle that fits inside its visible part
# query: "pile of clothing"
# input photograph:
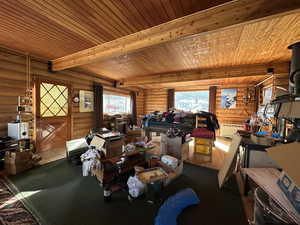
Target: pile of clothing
(170, 117)
(90, 159)
(174, 132)
(211, 120)
(184, 119)
(203, 133)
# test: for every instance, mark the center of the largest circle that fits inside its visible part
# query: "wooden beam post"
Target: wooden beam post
(219, 73)
(171, 99)
(212, 19)
(212, 99)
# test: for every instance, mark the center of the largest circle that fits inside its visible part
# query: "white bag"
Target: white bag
(136, 187)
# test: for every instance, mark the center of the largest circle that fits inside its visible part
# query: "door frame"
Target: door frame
(37, 80)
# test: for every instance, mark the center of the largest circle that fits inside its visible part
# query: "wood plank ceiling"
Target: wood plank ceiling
(54, 28)
(257, 43)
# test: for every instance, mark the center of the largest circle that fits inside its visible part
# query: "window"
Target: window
(267, 95)
(54, 100)
(192, 100)
(115, 104)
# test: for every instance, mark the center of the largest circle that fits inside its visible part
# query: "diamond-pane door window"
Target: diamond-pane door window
(54, 100)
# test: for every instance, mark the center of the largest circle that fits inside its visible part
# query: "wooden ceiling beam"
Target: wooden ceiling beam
(208, 74)
(212, 19)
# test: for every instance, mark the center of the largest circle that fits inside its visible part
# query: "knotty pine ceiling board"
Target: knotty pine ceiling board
(26, 30)
(268, 40)
(147, 13)
(254, 43)
(55, 28)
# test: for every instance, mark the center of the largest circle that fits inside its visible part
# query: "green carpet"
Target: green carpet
(64, 197)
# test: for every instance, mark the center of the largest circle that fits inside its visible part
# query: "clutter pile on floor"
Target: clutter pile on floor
(136, 172)
(132, 172)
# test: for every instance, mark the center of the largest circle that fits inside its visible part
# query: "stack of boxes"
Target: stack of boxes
(203, 145)
(204, 139)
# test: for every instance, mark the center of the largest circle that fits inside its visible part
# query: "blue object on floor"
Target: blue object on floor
(173, 206)
(261, 133)
(275, 135)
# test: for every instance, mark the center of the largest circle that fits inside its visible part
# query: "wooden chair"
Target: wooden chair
(201, 122)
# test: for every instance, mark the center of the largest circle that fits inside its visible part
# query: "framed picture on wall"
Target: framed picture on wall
(86, 103)
(228, 98)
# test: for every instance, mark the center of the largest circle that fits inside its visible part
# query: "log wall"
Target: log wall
(155, 100)
(282, 80)
(279, 80)
(13, 84)
(242, 111)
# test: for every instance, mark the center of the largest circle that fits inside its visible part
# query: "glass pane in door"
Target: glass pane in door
(54, 100)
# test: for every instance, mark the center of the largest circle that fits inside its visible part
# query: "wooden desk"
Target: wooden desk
(110, 171)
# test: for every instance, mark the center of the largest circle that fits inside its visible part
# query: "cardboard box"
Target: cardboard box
(16, 162)
(171, 146)
(290, 109)
(14, 169)
(13, 157)
(261, 140)
(288, 158)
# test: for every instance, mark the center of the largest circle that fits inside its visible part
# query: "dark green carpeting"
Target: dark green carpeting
(67, 198)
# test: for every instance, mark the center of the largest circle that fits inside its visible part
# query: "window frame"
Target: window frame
(265, 89)
(119, 95)
(193, 90)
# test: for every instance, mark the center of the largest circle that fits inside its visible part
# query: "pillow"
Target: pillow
(173, 206)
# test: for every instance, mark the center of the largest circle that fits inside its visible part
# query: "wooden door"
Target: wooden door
(52, 110)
